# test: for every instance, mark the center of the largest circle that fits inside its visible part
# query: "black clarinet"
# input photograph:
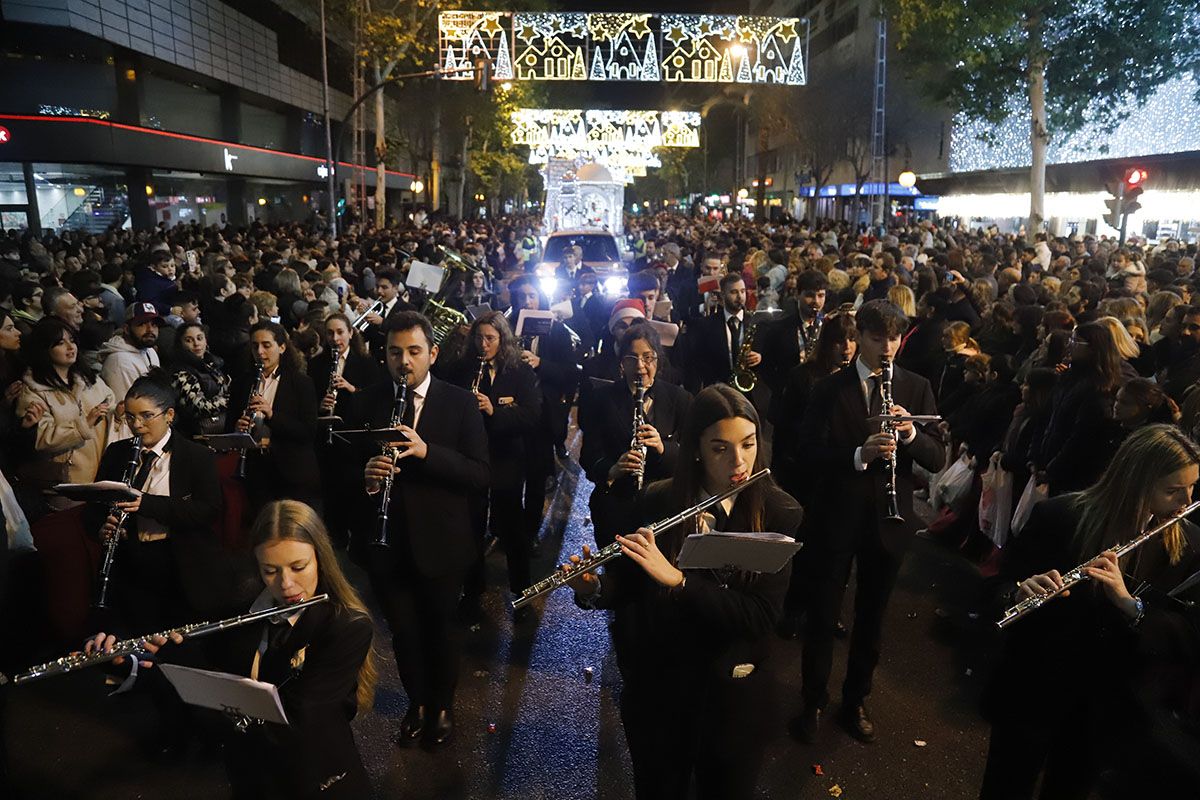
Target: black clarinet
(111, 542)
(385, 494)
(258, 384)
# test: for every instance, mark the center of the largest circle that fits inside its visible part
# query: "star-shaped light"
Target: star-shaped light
(676, 35)
(787, 31)
(640, 28)
(705, 27)
(491, 26)
(527, 32)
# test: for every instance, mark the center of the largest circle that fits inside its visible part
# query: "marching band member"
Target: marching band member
(319, 658)
(608, 458)
(168, 566)
(281, 413)
(418, 577)
(847, 459)
(510, 403)
(387, 290)
(698, 690)
(1081, 681)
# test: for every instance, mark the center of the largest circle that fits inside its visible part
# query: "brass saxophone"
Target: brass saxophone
(478, 376)
(744, 379)
(114, 539)
(812, 333)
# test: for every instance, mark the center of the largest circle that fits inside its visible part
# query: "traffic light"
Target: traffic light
(1134, 178)
(1113, 217)
(483, 76)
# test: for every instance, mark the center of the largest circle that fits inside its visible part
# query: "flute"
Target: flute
(1077, 575)
(136, 645)
(611, 551)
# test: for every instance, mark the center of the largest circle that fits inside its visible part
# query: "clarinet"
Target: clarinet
(611, 551)
(639, 419)
(1077, 575)
(885, 396)
(258, 387)
(333, 373)
(137, 645)
(478, 376)
(385, 494)
(111, 541)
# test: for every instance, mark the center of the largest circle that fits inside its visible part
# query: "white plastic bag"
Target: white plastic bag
(954, 485)
(1034, 493)
(19, 537)
(995, 501)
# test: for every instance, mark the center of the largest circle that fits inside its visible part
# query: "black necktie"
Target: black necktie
(875, 407)
(410, 409)
(735, 343)
(143, 473)
(485, 382)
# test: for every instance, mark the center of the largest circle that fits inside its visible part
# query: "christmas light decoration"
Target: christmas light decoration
(1160, 126)
(672, 48)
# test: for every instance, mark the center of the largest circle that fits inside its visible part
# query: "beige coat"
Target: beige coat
(66, 444)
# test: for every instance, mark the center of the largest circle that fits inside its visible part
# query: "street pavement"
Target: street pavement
(537, 714)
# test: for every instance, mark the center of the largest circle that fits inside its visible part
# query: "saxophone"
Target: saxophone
(744, 379)
(478, 376)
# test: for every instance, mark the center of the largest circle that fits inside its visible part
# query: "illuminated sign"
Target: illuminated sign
(669, 48)
(5, 136)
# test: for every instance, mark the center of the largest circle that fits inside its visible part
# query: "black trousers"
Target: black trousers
(145, 588)
(829, 570)
(420, 612)
(716, 735)
(508, 525)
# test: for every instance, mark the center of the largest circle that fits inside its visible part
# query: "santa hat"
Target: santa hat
(626, 309)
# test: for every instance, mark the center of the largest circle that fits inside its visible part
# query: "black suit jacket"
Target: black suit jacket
(375, 336)
(361, 371)
(434, 492)
(609, 431)
(708, 349)
(516, 409)
(849, 504)
(289, 466)
(189, 514)
(683, 293)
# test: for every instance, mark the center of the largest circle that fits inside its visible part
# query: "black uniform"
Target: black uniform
(684, 710)
(847, 522)
(419, 577)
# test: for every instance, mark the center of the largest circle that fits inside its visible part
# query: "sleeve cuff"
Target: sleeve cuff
(859, 466)
(912, 435)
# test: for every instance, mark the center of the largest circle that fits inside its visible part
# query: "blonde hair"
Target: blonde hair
(1116, 507)
(294, 521)
(1126, 346)
(903, 298)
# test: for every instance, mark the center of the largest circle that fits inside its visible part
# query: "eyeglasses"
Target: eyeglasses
(648, 359)
(145, 417)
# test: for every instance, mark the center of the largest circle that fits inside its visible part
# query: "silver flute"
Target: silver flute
(111, 541)
(611, 551)
(639, 419)
(137, 645)
(1077, 575)
(885, 401)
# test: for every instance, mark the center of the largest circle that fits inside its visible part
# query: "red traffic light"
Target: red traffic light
(1135, 176)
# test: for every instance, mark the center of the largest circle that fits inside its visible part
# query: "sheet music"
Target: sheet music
(749, 552)
(231, 694)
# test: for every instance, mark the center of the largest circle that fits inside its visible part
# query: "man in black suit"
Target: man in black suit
(387, 291)
(589, 311)
(848, 457)
(607, 420)
(789, 342)
(715, 341)
(169, 568)
(419, 575)
(681, 285)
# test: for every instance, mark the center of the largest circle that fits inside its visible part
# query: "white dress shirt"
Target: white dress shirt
(865, 381)
(416, 396)
(741, 318)
(157, 483)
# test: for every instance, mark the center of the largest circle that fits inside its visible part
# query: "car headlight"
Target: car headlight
(549, 286)
(615, 285)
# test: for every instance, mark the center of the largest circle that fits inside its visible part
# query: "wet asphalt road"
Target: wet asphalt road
(532, 723)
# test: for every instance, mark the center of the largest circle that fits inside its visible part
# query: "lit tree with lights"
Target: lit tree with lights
(1072, 62)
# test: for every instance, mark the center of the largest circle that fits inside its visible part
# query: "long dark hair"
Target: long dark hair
(837, 328)
(713, 404)
(357, 345)
(291, 358)
(1104, 366)
(48, 332)
(509, 355)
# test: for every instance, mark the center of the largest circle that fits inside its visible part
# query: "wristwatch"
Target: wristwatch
(1140, 604)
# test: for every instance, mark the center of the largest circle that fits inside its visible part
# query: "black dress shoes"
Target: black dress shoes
(440, 729)
(857, 723)
(411, 727)
(806, 726)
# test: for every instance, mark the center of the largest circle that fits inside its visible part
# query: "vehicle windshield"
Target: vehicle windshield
(596, 247)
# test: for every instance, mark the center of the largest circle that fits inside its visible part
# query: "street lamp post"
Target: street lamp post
(330, 176)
